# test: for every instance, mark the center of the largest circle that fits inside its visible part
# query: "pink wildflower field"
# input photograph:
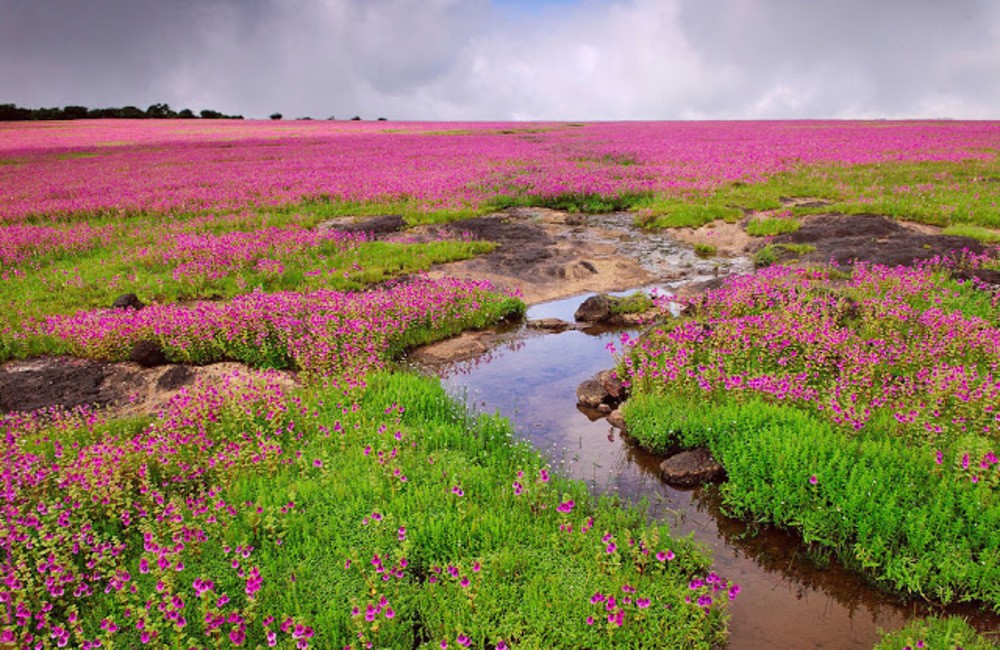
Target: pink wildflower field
(49, 170)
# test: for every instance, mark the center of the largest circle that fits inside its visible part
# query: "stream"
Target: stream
(788, 599)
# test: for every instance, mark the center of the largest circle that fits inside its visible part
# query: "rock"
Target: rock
(616, 419)
(459, 348)
(611, 383)
(575, 219)
(691, 468)
(372, 226)
(128, 301)
(174, 378)
(147, 354)
(591, 393)
(595, 309)
(602, 390)
(549, 324)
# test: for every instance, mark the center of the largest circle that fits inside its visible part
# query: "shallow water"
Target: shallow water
(788, 600)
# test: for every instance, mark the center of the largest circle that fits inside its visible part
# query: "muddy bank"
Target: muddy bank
(122, 389)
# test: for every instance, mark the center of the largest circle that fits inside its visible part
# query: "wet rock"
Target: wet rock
(616, 419)
(128, 301)
(602, 390)
(549, 324)
(595, 309)
(465, 346)
(147, 354)
(691, 468)
(174, 378)
(611, 383)
(591, 393)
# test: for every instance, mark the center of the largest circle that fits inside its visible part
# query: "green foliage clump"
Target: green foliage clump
(769, 227)
(662, 214)
(705, 250)
(634, 303)
(951, 633)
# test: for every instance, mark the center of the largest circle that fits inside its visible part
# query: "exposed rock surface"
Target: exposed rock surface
(692, 467)
(128, 301)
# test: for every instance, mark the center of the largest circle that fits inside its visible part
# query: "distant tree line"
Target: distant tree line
(14, 113)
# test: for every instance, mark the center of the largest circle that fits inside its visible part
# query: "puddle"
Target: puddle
(788, 600)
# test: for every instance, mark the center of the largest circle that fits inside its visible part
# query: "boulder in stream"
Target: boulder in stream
(691, 468)
(603, 389)
(595, 309)
(550, 324)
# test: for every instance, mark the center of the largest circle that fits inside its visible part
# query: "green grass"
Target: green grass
(985, 235)
(571, 202)
(401, 473)
(705, 250)
(634, 303)
(669, 213)
(773, 253)
(769, 227)
(875, 503)
(950, 633)
(94, 279)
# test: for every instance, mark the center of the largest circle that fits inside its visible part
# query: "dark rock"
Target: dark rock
(595, 309)
(604, 408)
(575, 220)
(549, 324)
(174, 378)
(373, 226)
(692, 467)
(591, 393)
(128, 301)
(147, 354)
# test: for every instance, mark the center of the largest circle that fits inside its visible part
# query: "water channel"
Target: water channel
(788, 599)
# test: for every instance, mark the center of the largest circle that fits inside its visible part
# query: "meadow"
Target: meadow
(364, 508)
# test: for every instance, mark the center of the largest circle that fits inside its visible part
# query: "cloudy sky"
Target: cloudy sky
(509, 59)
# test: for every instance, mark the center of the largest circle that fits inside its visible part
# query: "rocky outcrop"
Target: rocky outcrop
(692, 467)
(128, 301)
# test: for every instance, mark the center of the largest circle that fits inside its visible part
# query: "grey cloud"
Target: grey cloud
(473, 59)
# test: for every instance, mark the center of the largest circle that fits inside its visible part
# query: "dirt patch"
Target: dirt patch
(728, 239)
(124, 389)
(545, 254)
(871, 238)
